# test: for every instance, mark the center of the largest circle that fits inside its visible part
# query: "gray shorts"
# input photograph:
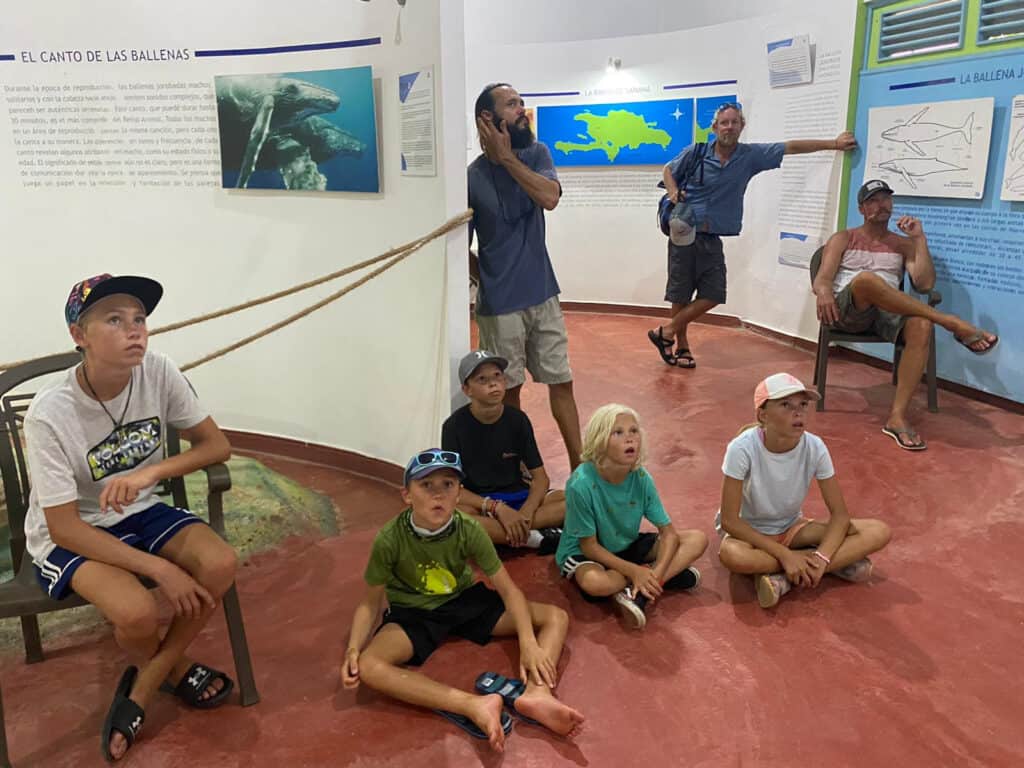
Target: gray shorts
(879, 322)
(698, 267)
(533, 339)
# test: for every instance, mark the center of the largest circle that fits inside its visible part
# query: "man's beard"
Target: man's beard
(521, 138)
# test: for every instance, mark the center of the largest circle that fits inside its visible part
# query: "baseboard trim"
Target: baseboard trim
(600, 308)
(315, 453)
(807, 345)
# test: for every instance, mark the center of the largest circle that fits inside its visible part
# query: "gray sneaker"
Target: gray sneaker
(770, 588)
(631, 612)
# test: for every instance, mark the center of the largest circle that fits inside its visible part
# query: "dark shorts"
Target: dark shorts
(514, 499)
(637, 552)
(698, 267)
(471, 615)
(852, 320)
(149, 530)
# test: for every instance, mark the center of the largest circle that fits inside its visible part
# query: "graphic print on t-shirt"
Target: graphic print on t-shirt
(125, 448)
(435, 579)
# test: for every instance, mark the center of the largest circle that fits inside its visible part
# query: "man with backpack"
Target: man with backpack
(710, 179)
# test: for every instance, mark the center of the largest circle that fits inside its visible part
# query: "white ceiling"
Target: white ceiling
(502, 22)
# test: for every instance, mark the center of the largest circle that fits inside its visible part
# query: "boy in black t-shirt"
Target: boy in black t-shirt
(496, 441)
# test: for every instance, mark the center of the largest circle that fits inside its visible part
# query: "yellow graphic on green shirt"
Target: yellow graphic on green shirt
(435, 579)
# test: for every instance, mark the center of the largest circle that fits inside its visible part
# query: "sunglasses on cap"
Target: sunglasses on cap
(434, 459)
(425, 459)
(728, 105)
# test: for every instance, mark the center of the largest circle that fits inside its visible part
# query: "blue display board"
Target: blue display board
(625, 133)
(977, 245)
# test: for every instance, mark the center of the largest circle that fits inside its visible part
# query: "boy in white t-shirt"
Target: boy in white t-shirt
(94, 523)
(768, 469)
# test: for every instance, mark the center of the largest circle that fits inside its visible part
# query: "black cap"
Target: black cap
(868, 188)
(87, 292)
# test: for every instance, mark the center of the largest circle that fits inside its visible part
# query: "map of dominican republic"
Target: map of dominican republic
(627, 133)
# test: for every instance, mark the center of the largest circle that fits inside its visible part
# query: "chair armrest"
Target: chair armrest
(218, 479)
(934, 297)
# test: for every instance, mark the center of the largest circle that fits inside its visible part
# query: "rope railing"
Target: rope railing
(394, 257)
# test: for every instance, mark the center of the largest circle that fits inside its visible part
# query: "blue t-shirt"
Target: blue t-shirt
(718, 203)
(612, 512)
(515, 269)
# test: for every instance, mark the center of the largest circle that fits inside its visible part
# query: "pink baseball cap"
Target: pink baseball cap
(778, 386)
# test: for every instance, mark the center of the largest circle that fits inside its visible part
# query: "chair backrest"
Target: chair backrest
(815, 264)
(13, 466)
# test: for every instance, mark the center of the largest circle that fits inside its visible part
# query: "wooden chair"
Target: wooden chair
(22, 596)
(827, 334)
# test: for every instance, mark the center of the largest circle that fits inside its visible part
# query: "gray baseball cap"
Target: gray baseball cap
(682, 228)
(476, 358)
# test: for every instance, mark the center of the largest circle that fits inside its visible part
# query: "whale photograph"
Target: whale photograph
(313, 130)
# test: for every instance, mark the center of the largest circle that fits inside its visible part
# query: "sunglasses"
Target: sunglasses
(728, 105)
(451, 458)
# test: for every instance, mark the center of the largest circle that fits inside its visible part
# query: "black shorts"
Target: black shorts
(471, 615)
(698, 267)
(637, 552)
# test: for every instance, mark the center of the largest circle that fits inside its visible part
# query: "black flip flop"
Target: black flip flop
(897, 435)
(663, 345)
(124, 716)
(684, 358)
(472, 728)
(193, 685)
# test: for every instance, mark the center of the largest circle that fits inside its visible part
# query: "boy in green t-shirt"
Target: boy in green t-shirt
(420, 563)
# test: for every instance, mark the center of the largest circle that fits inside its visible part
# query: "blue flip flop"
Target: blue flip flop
(509, 688)
(472, 728)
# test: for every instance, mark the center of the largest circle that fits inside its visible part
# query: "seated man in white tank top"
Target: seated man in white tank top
(858, 289)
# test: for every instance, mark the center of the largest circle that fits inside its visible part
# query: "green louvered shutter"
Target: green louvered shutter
(934, 26)
(1001, 20)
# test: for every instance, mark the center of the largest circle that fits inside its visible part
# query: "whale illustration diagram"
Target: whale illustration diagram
(1017, 148)
(911, 168)
(1015, 181)
(915, 132)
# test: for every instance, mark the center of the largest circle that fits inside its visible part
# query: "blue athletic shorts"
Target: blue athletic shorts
(148, 530)
(514, 499)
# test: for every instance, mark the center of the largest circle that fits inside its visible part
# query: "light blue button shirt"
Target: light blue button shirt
(718, 202)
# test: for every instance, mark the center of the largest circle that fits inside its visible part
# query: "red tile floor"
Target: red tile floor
(919, 667)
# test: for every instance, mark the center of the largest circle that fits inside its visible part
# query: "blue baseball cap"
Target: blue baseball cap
(431, 460)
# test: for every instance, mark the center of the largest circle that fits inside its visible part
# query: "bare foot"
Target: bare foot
(538, 703)
(118, 746)
(486, 713)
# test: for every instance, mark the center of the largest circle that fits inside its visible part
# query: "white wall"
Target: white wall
(616, 254)
(369, 373)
